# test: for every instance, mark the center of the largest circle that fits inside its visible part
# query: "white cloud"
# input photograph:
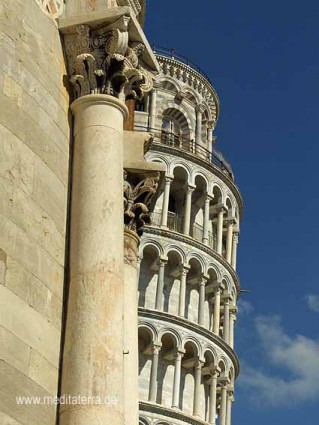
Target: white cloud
(244, 307)
(298, 358)
(313, 302)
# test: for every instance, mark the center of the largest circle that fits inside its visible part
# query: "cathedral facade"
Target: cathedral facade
(111, 313)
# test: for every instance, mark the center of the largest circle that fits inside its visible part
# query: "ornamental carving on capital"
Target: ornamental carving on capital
(105, 61)
(138, 194)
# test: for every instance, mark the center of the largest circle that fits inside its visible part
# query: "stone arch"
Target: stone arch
(172, 247)
(171, 104)
(217, 191)
(143, 324)
(150, 253)
(215, 268)
(210, 349)
(143, 421)
(153, 243)
(176, 163)
(173, 333)
(162, 79)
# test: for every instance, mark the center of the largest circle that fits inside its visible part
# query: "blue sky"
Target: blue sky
(262, 57)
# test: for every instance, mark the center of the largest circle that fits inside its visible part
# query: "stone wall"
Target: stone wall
(34, 162)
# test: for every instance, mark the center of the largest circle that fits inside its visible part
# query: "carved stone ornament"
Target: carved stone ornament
(137, 200)
(104, 61)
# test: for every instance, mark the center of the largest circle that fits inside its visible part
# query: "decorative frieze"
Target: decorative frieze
(103, 60)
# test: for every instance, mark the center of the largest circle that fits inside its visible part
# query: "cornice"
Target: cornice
(200, 330)
(189, 240)
(211, 167)
(170, 413)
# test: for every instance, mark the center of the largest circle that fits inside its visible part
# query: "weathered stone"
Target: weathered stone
(29, 325)
(43, 373)
(14, 351)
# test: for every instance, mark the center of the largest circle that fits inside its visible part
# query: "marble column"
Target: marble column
(198, 131)
(216, 321)
(226, 303)
(160, 285)
(188, 209)
(94, 325)
(232, 319)
(210, 129)
(201, 304)
(234, 251)
(230, 400)
(229, 240)
(177, 379)
(223, 402)
(213, 396)
(131, 242)
(153, 109)
(182, 290)
(153, 377)
(220, 225)
(168, 181)
(198, 380)
(206, 220)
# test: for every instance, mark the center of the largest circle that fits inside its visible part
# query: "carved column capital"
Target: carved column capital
(138, 191)
(104, 60)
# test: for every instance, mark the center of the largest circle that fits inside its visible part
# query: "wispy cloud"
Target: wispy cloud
(244, 307)
(313, 302)
(297, 358)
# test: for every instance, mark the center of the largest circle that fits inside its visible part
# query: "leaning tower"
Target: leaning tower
(188, 285)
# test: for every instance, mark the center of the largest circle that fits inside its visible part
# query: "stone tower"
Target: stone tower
(108, 171)
(188, 286)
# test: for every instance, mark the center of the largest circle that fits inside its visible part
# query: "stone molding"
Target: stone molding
(190, 241)
(157, 147)
(197, 329)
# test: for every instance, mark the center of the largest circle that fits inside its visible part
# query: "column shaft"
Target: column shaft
(160, 286)
(229, 241)
(94, 325)
(131, 242)
(153, 377)
(188, 209)
(201, 303)
(223, 406)
(152, 109)
(234, 251)
(229, 408)
(198, 381)
(220, 231)
(167, 189)
(216, 321)
(182, 292)
(177, 380)
(198, 135)
(232, 319)
(212, 399)
(206, 221)
(226, 321)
